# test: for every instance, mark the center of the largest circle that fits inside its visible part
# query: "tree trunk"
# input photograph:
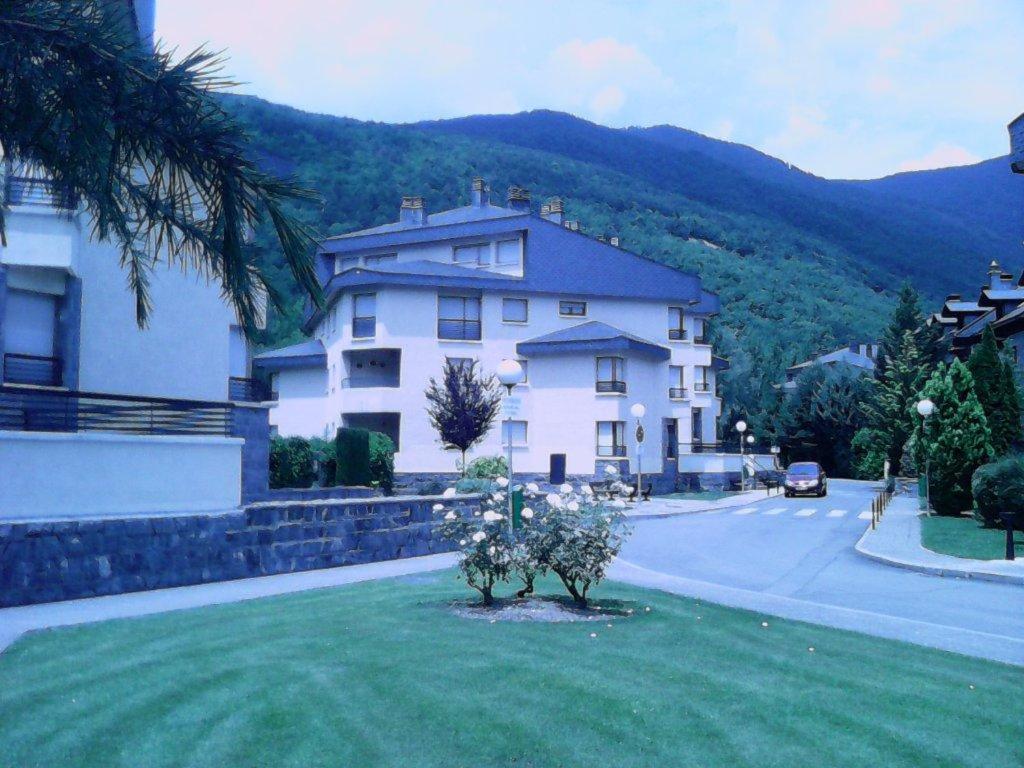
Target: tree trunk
(488, 595)
(570, 586)
(527, 588)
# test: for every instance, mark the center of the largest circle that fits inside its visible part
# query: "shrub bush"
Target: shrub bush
(473, 485)
(291, 463)
(353, 457)
(382, 462)
(484, 543)
(999, 487)
(488, 467)
(325, 458)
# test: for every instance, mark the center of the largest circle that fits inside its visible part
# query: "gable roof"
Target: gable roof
(306, 354)
(463, 215)
(592, 336)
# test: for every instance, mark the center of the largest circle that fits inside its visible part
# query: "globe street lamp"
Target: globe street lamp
(639, 410)
(741, 427)
(926, 408)
(510, 373)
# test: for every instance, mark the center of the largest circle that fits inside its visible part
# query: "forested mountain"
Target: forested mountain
(801, 263)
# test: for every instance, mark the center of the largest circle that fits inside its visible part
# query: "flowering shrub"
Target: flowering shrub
(483, 540)
(569, 533)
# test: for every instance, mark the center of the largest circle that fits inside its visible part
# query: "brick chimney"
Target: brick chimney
(519, 198)
(412, 211)
(481, 194)
(553, 210)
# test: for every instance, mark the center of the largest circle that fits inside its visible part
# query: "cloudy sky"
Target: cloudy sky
(842, 88)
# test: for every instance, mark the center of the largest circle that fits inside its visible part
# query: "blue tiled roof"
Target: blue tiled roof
(307, 354)
(557, 261)
(975, 327)
(592, 336)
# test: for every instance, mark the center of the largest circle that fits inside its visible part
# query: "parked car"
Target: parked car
(805, 477)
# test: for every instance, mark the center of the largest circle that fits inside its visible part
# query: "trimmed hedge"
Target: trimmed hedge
(999, 487)
(382, 462)
(292, 463)
(352, 453)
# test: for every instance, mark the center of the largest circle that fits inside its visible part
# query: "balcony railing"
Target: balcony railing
(459, 330)
(32, 369)
(677, 393)
(676, 334)
(243, 390)
(702, 386)
(700, 339)
(25, 409)
(611, 386)
(606, 451)
(24, 190)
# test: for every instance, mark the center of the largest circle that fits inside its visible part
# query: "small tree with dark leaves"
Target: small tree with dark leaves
(463, 406)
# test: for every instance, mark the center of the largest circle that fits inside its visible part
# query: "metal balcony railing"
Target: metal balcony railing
(36, 191)
(676, 334)
(611, 386)
(677, 393)
(245, 390)
(701, 386)
(26, 409)
(32, 369)
(605, 451)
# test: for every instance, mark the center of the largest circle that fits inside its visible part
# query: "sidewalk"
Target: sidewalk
(14, 622)
(897, 541)
(658, 507)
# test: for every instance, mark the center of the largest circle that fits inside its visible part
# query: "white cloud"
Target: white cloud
(942, 156)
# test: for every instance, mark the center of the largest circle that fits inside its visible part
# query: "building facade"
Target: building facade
(596, 329)
(98, 416)
(857, 356)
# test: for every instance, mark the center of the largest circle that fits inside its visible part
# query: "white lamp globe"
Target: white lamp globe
(741, 427)
(750, 439)
(510, 373)
(926, 407)
(639, 410)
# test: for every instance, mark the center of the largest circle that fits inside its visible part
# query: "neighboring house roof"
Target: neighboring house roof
(1002, 294)
(595, 337)
(307, 354)
(844, 355)
(719, 363)
(975, 327)
(557, 261)
(1010, 323)
(1016, 129)
(962, 307)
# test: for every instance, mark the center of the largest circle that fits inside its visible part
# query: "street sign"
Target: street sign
(639, 433)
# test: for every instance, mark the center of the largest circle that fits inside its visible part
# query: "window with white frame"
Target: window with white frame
(508, 253)
(364, 315)
(676, 329)
(700, 331)
(515, 310)
(611, 438)
(701, 382)
(676, 382)
(572, 308)
(478, 253)
(458, 318)
(514, 431)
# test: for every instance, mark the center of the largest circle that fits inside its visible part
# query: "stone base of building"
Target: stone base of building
(709, 481)
(52, 560)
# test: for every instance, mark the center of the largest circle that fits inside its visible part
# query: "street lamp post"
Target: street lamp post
(510, 373)
(741, 427)
(639, 410)
(926, 408)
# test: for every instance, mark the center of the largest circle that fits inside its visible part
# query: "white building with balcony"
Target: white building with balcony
(98, 416)
(596, 329)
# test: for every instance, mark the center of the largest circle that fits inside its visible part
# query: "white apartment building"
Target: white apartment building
(98, 416)
(596, 329)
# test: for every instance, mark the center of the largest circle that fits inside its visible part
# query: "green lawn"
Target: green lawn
(380, 674)
(963, 537)
(698, 495)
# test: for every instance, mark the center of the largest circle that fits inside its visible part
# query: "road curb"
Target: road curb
(863, 549)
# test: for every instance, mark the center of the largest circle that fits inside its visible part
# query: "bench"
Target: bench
(770, 479)
(600, 487)
(645, 495)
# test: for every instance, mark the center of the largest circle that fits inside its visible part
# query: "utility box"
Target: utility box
(557, 473)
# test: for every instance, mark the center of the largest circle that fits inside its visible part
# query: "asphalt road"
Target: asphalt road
(803, 549)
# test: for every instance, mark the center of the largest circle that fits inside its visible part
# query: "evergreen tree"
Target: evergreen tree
(997, 391)
(906, 318)
(887, 411)
(955, 440)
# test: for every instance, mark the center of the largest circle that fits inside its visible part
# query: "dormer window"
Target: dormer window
(508, 253)
(572, 308)
(479, 253)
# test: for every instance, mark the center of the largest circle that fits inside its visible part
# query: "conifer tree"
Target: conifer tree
(955, 440)
(887, 410)
(997, 392)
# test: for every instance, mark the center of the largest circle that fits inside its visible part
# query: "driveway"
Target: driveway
(798, 553)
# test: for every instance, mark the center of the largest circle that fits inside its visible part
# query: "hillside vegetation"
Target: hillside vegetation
(801, 263)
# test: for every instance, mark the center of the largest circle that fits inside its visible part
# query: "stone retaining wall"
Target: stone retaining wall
(316, 494)
(66, 559)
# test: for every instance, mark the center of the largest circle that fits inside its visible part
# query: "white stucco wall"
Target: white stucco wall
(49, 475)
(559, 401)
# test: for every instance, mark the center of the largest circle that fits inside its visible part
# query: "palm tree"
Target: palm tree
(142, 142)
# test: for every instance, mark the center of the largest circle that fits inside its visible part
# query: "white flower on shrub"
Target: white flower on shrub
(554, 500)
(492, 517)
(610, 470)
(462, 542)
(527, 513)
(451, 515)
(478, 536)
(498, 497)
(448, 493)
(502, 482)
(533, 488)
(573, 506)
(565, 488)
(618, 504)
(586, 490)
(438, 507)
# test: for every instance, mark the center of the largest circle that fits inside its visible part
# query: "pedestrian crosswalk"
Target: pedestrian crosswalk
(798, 512)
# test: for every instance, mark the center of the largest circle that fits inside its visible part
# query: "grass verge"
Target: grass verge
(964, 537)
